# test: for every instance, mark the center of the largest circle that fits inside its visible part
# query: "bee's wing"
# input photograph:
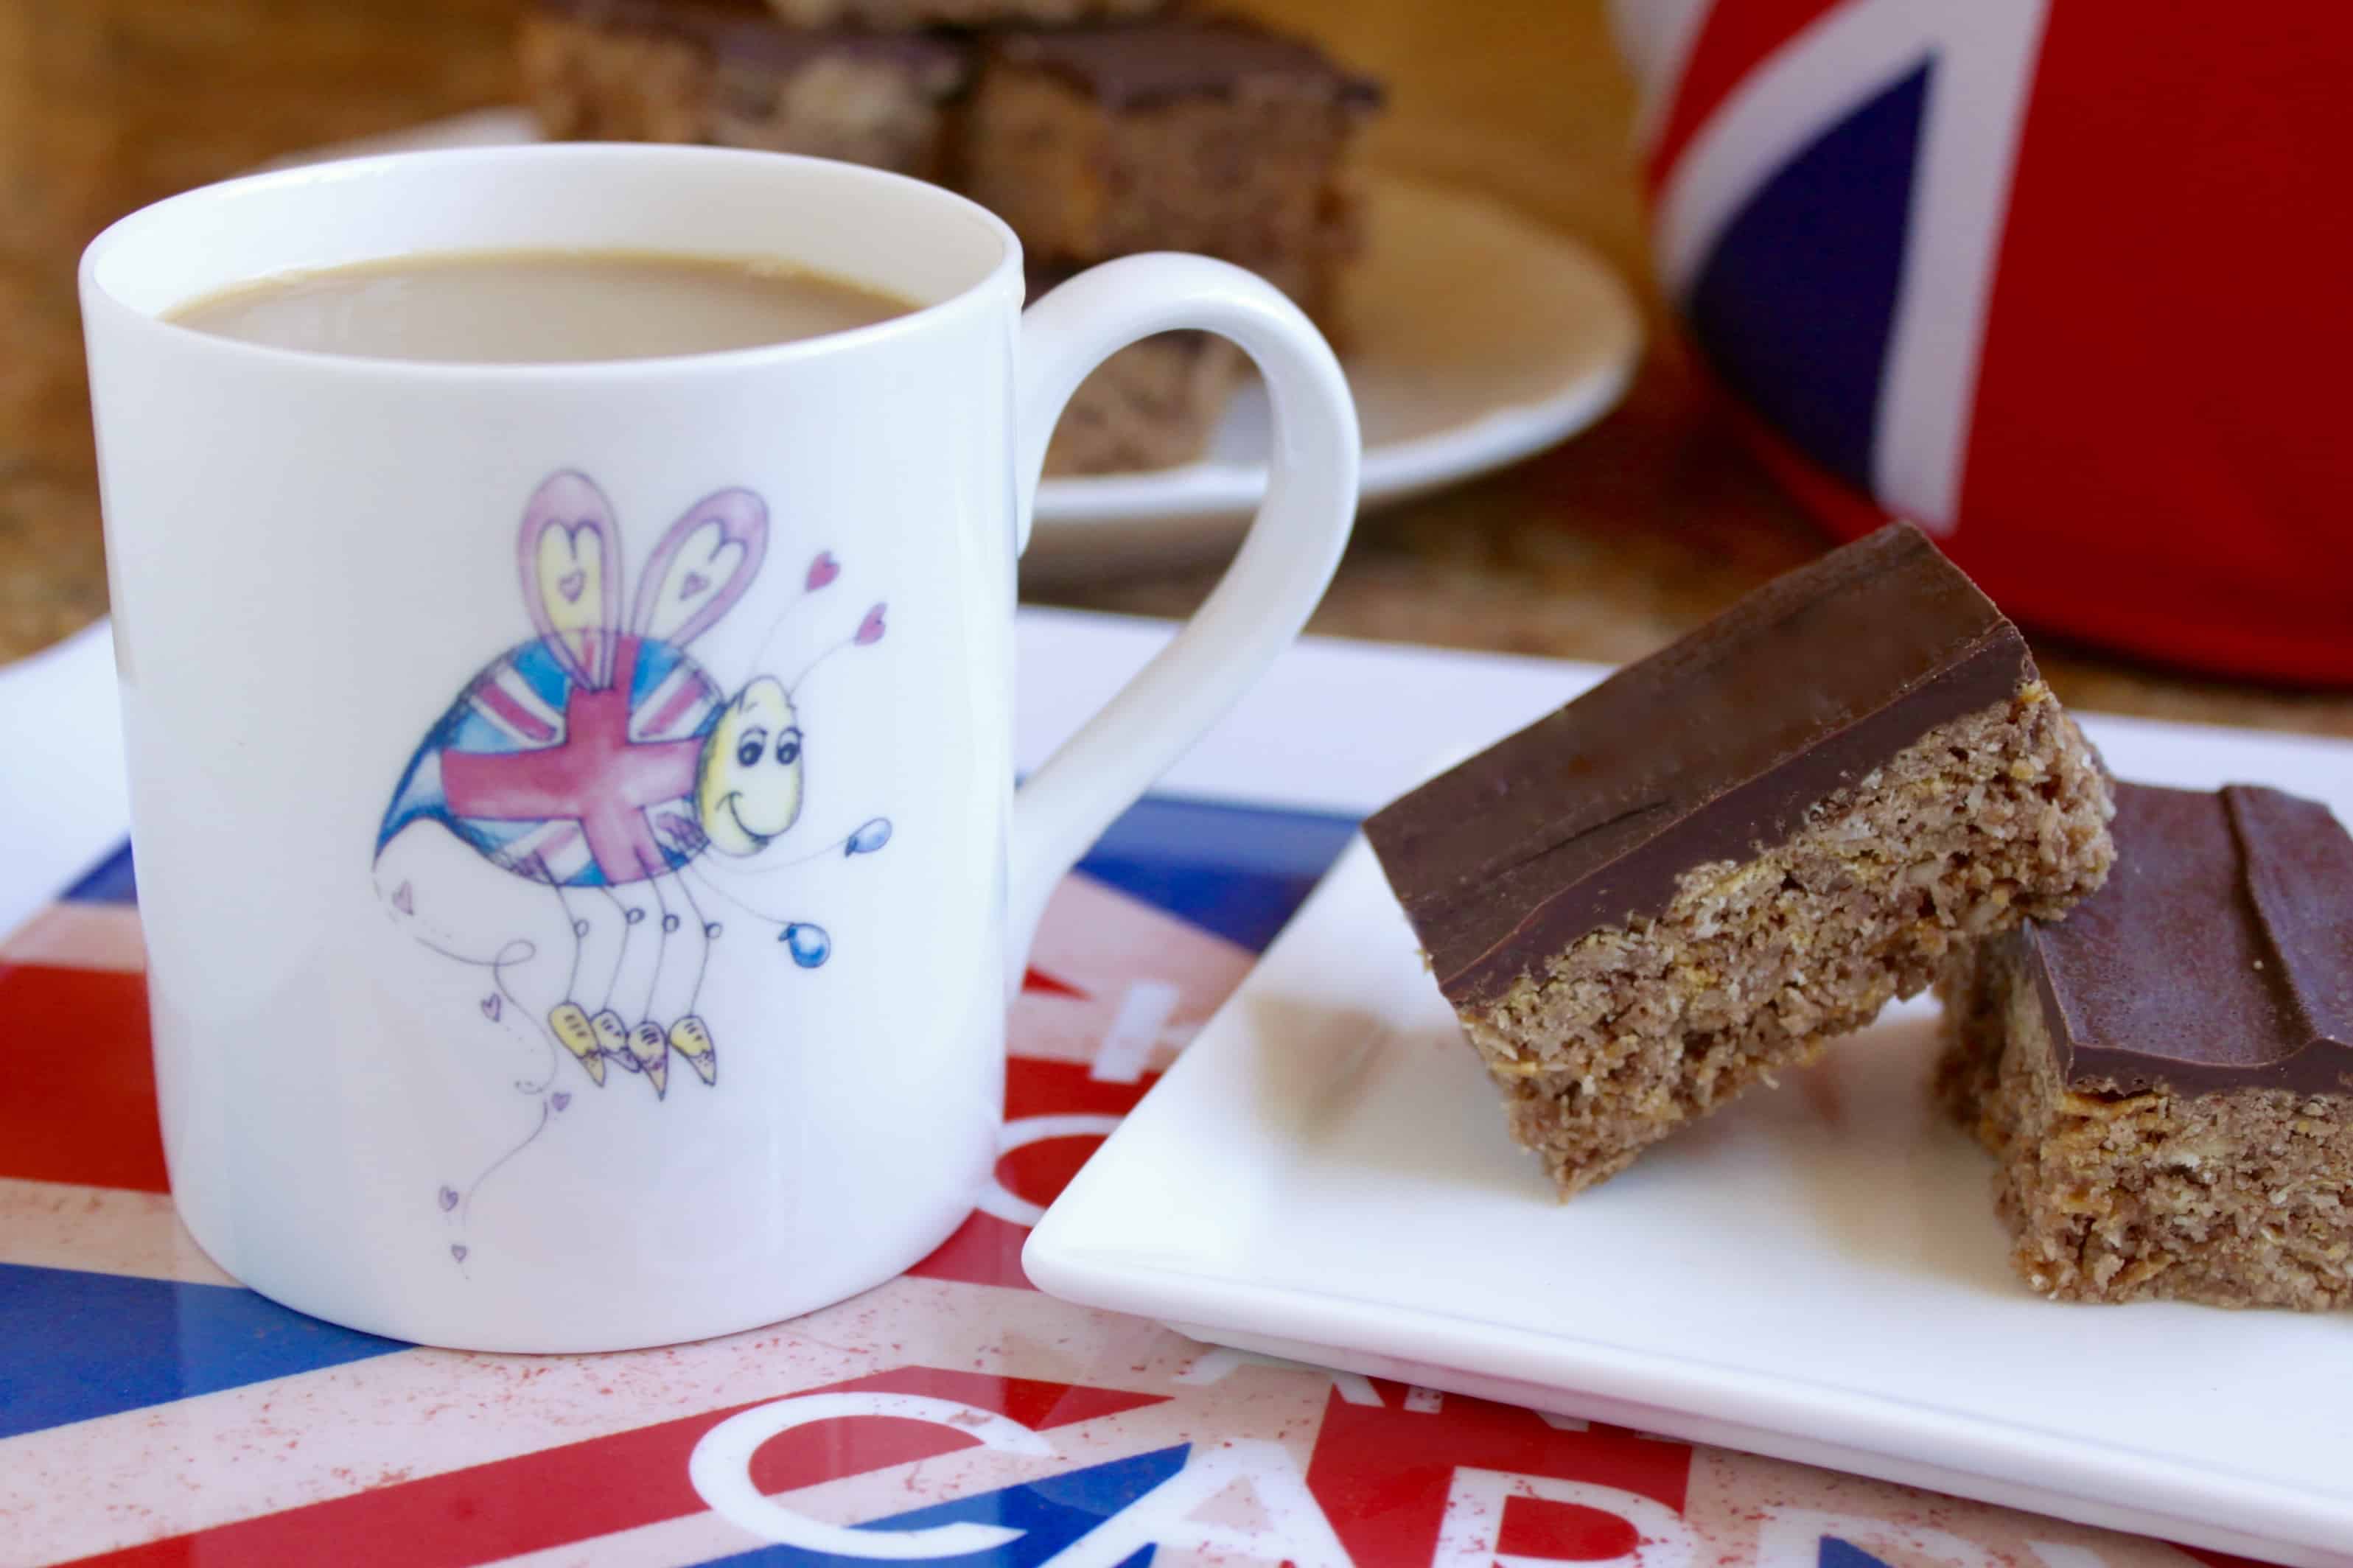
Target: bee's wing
(570, 553)
(702, 566)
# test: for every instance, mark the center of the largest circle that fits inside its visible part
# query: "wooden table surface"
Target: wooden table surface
(1602, 548)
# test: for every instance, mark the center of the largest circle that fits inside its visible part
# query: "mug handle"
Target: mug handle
(1265, 596)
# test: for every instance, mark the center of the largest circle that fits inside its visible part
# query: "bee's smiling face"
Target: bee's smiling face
(749, 790)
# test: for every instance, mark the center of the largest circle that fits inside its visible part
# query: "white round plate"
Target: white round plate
(1475, 336)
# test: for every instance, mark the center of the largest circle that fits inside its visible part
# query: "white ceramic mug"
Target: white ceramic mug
(576, 833)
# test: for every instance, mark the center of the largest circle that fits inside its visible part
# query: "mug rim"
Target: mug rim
(125, 232)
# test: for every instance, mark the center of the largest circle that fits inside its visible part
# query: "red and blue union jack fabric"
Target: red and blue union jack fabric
(2061, 280)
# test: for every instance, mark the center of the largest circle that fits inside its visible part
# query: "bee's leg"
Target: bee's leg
(649, 1041)
(689, 1036)
(568, 1020)
(646, 1046)
(665, 925)
(623, 918)
(577, 926)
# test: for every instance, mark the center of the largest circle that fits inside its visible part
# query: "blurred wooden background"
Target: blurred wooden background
(1603, 549)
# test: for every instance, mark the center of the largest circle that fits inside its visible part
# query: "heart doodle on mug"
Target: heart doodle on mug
(457, 1249)
(822, 569)
(449, 1199)
(559, 1098)
(870, 630)
(404, 900)
(491, 1007)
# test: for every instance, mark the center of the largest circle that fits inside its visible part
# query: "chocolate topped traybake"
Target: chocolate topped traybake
(1211, 135)
(1152, 404)
(733, 76)
(957, 13)
(1701, 870)
(2166, 1078)
(1095, 128)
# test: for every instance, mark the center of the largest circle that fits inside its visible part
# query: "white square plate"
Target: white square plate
(1816, 1273)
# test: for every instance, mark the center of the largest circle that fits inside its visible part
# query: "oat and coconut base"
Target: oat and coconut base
(1696, 873)
(2166, 1080)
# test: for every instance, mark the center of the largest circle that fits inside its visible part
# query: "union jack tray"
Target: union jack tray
(152, 1412)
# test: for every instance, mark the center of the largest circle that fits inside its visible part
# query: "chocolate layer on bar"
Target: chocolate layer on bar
(2219, 956)
(748, 30)
(1711, 749)
(1124, 66)
(958, 12)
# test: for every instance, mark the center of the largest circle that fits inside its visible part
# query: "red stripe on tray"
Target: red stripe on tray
(987, 1250)
(80, 1101)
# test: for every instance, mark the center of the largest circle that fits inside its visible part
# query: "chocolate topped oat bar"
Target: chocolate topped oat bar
(1213, 135)
(2168, 1077)
(1152, 404)
(1724, 854)
(733, 75)
(958, 12)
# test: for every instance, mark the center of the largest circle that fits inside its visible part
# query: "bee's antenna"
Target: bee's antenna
(822, 571)
(711, 885)
(793, 687)
(760, 653)
(869, 631)
(869, 836)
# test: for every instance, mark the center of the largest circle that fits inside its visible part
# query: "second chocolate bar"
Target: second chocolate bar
(2166, 1078)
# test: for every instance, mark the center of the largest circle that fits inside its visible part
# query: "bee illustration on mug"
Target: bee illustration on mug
(601, 762)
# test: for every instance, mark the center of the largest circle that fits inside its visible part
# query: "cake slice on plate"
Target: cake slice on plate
(734, 75)
(1212, 135)
(2167, 1078)
(887, 14)
(1719, 857)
